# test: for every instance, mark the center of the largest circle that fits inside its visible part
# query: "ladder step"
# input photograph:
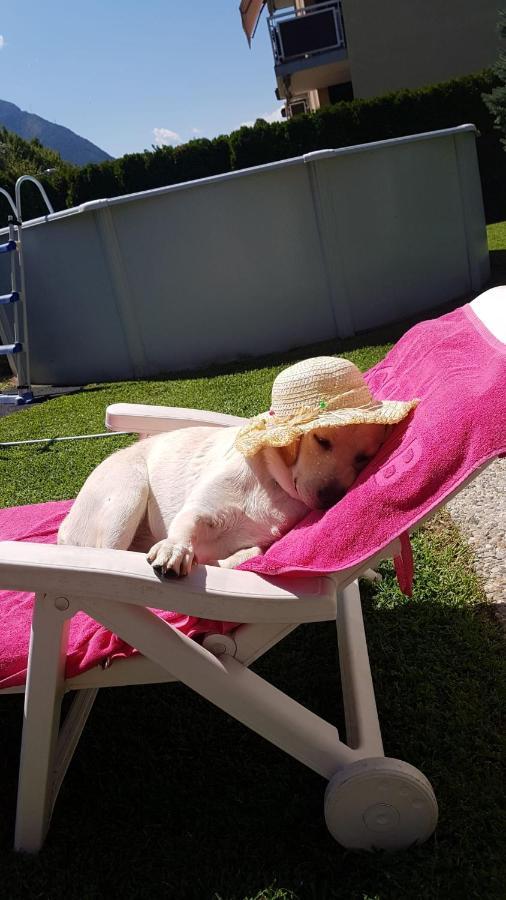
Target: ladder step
(10, 348)
(16, 399)
(13, 297)
(8, 247)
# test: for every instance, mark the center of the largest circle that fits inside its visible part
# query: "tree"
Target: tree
(20, 157)
(496, 100)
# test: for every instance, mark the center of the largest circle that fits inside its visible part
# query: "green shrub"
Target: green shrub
(393, 115)
(132, 173)
(362, 121)
(160, 166)
(201, 158)
(151, 169)
(93, 182)
(261, 144)
(495, 101)
(19, 157)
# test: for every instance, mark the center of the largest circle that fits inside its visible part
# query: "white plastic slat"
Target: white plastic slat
(208, 592)
(145, 419)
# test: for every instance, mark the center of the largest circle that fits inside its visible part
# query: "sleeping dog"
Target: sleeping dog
(223, 495)
(189, 496)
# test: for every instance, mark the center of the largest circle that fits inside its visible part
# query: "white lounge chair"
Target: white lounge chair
(370, 801)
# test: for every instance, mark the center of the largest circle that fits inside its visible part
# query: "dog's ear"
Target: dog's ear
(290, 453)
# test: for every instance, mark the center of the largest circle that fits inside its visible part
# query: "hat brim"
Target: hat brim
(263, 431)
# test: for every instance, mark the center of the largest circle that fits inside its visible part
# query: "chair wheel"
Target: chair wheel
(380, 803)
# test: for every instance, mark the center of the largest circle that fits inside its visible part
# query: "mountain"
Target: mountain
(67, 143)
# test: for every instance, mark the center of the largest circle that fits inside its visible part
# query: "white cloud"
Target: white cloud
(2, 42)
(164, 136)
(196, 130)
(274, 116)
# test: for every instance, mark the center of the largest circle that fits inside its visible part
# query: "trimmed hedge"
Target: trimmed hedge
(402, 113)
(143, 171)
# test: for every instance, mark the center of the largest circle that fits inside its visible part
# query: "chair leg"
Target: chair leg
(362, 725)
(44, 692)
(70, 732)
(376, 802)
(230, 686)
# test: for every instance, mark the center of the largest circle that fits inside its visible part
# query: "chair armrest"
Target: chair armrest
(81, 573)
(145, 419)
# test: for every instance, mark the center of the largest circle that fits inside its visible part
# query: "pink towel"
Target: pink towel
(90, 644)
(458, 370)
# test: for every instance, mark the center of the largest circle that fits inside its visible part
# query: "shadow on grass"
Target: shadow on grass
(498, 267)
(169, 797)
(386, 334)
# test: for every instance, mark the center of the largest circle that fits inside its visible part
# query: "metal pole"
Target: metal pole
(24, 382)
(37, 183)
(11, 202)
(52, 440)
(14, 285)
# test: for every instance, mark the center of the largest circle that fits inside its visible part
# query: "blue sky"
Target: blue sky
(116, 70)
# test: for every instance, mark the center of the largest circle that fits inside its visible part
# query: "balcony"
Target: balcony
(304, 40)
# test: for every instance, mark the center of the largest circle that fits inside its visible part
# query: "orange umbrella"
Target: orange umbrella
(250, 13)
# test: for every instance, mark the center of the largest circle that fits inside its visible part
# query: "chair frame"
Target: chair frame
(117, 587)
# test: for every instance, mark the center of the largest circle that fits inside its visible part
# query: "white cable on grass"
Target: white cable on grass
(74, 437)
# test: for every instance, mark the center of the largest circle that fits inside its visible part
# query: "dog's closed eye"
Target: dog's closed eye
(324, 443)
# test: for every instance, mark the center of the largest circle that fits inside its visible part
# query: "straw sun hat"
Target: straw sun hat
(317, 393)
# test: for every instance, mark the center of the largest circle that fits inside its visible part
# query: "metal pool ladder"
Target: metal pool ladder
(18, 349)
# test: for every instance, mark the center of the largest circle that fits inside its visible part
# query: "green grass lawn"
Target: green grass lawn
(496, 235)
(168, 797)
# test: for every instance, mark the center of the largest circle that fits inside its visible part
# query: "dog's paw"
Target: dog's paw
(167, 557)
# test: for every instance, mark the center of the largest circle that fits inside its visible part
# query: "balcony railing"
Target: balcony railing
(303, 33)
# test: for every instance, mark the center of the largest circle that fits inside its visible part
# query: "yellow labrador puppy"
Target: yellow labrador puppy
(223, 495)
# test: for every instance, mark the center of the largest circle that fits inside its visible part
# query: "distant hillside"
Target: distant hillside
(70, 146)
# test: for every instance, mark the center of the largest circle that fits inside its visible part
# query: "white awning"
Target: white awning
(251, 11)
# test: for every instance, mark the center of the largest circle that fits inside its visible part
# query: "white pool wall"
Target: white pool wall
(262, 260)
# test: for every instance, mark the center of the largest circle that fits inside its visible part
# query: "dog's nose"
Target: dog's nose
(329, 494)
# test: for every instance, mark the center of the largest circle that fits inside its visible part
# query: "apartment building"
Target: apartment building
(330, 50)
